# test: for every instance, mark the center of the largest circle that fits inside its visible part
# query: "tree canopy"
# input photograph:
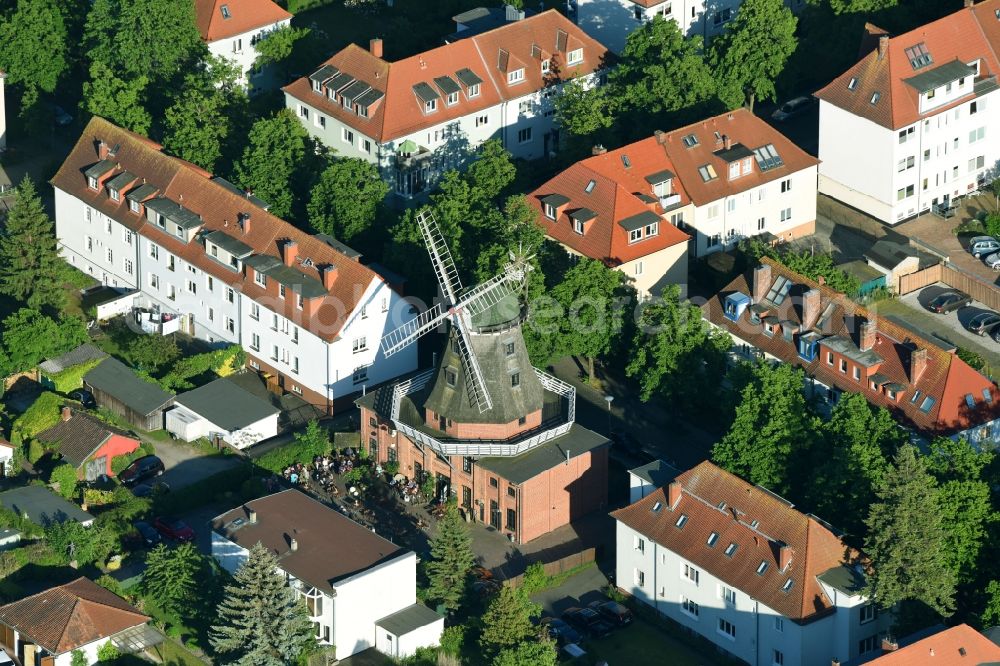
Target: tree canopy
(30, 337)
(346, 199)
(172, 576)
(33, 45)
(507, 621)
(120, 100)
(450, 561)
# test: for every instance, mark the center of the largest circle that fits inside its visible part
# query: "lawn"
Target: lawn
(636, 643)
(174, 654)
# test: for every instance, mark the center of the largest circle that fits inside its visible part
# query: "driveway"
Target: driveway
(578, 590)
(186, 465)
(938, 234)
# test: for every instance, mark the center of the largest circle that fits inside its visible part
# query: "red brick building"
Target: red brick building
(522, 467)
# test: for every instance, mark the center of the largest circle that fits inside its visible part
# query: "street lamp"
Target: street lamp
(609, 399)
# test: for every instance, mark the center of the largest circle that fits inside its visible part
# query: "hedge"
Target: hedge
(119, 463)
(42, 415)
(71, 379)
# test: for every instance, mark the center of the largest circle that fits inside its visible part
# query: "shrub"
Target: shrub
(391, 468)
(452, 639)
(65, 475)
(110, 584)
(71, 379)
(78, 658)
(313, 441)
(974, 360)
(95, 497)
(108, 652)
(119, 463)
(35, 451)
(42, 415)
(535, 578)
(992, 224)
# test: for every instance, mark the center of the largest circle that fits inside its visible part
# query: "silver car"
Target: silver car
(993, 261)
(981, 247)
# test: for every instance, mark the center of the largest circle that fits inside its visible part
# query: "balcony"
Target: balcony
(670, 202)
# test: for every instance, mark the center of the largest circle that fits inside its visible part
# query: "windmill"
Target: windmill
(457, 306)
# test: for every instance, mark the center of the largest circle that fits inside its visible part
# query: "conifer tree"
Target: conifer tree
(171, 576)
(451, 559)
(31, 269)
(261, 621)
(507, 621)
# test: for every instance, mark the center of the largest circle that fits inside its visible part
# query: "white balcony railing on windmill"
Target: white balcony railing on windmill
(411, 385)
(558, 386)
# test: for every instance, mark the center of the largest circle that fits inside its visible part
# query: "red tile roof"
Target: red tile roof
(759, 523)
(966, 35)
(614, 198)
(956, 646)
(401, 113)
(219, 208)
(67, 617)
(243, 16)
(947, 379)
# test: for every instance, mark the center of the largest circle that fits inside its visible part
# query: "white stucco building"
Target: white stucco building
(360, 589)
(232, 29)
(740, 566)
(422, 115)
(612, 21)
(912, 125)
(200, 251)
(222, 409)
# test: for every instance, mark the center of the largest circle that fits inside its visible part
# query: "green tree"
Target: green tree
(31, 269)
(671, 343)
(172, 577)
(861, 6)
(261, 621)
(450, 561)
(65, 475)
(753, 50)
(661, 70)
(196, 127)
(507, 621)
(78, 658)
(278, 44)
(152, 352)
(590, 311)
(511, 230)
(990, 616)
(120, 100)
(30, 337)
(491, 172)
(540, 651)
(344, 202)
(276, 148)
(907, 539)
(583, 110)
(772, 425)
(108, 653)
(33, 45)
(70, 541)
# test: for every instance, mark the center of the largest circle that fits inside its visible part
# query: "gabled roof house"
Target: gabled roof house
(88, 443)
(845, 347)
(232, 29)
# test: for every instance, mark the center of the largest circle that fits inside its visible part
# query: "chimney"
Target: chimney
(970, 3)
(673, 493)
(834, 662)
(883, 46)
(252, 514)
(289, 252)
(329, 275)
(375, 46)
(918, 363)
(244, 220)
(293, 544)
(727, 141)
(598, 150)
(661, 137)
(102, 149)
(866, 336)
(810, 308)
(785, 554)
(761, 282)
(67, 413)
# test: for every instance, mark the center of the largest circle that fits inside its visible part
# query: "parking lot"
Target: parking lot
(951, 327)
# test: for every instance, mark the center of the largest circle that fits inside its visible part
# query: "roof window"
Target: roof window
(590, 186)
(755, 524)
(762, 567)
(656, 507)
(970, 401)
(707, 172)
(682, 521)
(918, 56)
(987, 396)
(852, 84)
(926, 405)
(225, 11)
(876, 96)
(788, 585)
(626, 162)
(731, 549)
(712, 539)
(767, 157)
(690, 140)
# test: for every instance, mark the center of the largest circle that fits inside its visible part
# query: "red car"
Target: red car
(174, 528)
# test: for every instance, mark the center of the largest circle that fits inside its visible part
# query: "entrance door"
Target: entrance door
(494, 515)
(418, 472)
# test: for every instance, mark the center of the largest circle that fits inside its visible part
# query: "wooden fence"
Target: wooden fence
(559, 566)
(986, 293)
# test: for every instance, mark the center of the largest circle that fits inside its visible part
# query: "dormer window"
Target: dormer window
(578, 226)
(453, 99)
(515, 76)
(113, 194)
(747, 165)
(92, 182)
(430, 106)
(133, 206)
(317, 86)
(662, 189)
(931, 93)
(574, 57)
(550, 211)
(734, 170)
(362, 111)
(652, 229)
(852, 84)
(634, 235)
(259, 278)
(473, 91)
(348, 104)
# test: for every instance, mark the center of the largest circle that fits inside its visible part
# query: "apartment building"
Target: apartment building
(232, 29)
(612, 21)
(196, 248)
(622, 208)
(422, 115)
(778, 315)
(743, 568)
(908, 129)
(359, 588)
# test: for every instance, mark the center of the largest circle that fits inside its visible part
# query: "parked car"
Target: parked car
(613, 612)
(982, 246)
(174, 528)
(983, 323)
(560, 632)
(792, 108)
(141, 469)
(995, 334)
(147, 534)
(949, 301)
(85, 398)
(150, 489)
(993, 261)
(587, 621)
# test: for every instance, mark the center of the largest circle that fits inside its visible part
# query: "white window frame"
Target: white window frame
(574, 57)
(515, 76)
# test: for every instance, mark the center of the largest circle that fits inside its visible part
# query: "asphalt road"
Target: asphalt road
(186, 465)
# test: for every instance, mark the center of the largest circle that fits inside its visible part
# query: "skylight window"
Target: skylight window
(918, 56)
(225, 11)
(755, 524)
(707, 172)
(779, 290)
(690, 140)
(656, 507)
(762, 567)
(916, 396)
(970, 401)
(682, 521)
(876, 96)
(987, 396)
(626, 162)
(731, 549)
(788, 585)
(590, 186)
(926, 405)
(767, 157)
(712, 539)
(852, 84)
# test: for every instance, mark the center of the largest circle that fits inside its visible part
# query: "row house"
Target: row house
(612, 21)
(417, 117)
(197, 249)
(907, 129)
(779, 315)
(359, 589)
(232, 29)
(744, 569)
(622, 208)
